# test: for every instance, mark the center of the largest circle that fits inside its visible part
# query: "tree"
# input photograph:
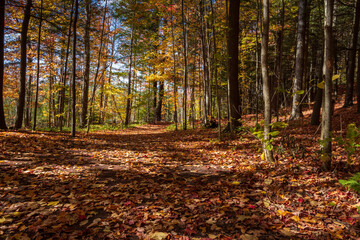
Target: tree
(2, 27)
(86, 81)
(328, 70)
(299, 62)
(266, 83)
(128, 100)
(233, 65)
(22, 90)
(185, 63)
(352, 58)
(73, 125)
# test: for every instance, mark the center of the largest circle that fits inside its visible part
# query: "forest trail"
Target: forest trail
(151, 183)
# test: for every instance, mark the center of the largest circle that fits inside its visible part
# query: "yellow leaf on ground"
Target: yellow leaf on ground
(53, 203)
(158, 235)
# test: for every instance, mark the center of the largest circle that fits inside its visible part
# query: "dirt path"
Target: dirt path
(150, 183)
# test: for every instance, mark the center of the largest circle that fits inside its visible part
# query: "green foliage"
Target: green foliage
(258, 132)
(351, 142)
(172, 127)
(353, 183)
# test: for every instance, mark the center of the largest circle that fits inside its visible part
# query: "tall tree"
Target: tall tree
(86, 81)
(266, 82)
(185, 64)
(2, 32)
(352, 58)
(233, 65)
(299, 61)
(128, 100)
(23, 60)
(328, 70)
(38, 67)
(64, 76)
(73, 115)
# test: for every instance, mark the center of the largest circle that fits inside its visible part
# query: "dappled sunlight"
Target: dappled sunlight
(131, 184)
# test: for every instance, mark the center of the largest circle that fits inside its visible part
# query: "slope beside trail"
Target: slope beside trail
(151, 183)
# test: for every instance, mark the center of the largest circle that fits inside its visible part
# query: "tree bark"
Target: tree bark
(352, 58)
(73, 115)
(216, 70)
(266, 82)
(2, 33)
(327, 99)
(185, 65)
(299, 62)
(358, 85)
(233, 66)
(85, 86)
(22, 91)
(128, 100)
(64, 77)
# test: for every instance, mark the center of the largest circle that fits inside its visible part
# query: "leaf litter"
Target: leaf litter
(150, 183)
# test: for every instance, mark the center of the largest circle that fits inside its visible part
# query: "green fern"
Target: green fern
(353, 183)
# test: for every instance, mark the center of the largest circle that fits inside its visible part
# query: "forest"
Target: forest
(179, 119)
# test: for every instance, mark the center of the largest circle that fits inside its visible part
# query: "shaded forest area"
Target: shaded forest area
(178, 119)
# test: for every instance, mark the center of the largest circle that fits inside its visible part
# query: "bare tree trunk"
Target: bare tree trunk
(266, 83)
(358, 85)
(64, 77)
(51, 84)
(22, 91)
(38, 67)
(27, 118)
(86, 81)
(128, 100)
(233, 66)
(257, 82)
(2, 34)
(278, 61)
(73, 116)
(352, 58)
(299, 62)
(207, 84)
(216, 69)
(185, 65)
(160, 102)
(174, 72)
(328, 70)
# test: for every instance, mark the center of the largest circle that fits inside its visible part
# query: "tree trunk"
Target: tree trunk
(278, 60)
(216, 70)
(299, 62)
(233, 66)
(266, 83)
(97, 70)
(2, 33)
(352, 58)
(128, 100)
(64, 77)
(207, 81)
(73, 116)
(160, 102)
(328, 70)
(27, 117)
(85, 87)
(358, 85)
(185, 65)
(315, 116)
(174, 71)
(22, 91)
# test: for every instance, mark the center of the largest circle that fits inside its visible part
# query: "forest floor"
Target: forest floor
(152, 183)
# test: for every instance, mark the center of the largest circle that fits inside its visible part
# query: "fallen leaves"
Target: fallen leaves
(152, 184)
